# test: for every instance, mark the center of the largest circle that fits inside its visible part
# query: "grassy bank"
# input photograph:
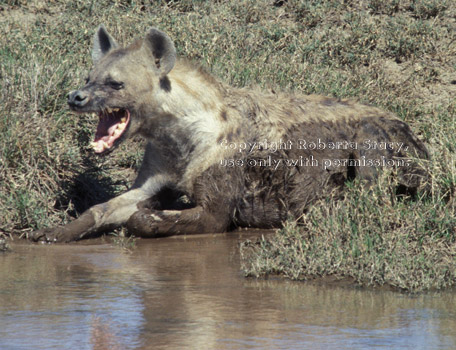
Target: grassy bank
(397, 54)
(370, 236)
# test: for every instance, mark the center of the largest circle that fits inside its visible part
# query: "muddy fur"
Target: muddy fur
(219, 157)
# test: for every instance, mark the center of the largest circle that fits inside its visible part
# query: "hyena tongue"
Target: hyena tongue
(110, 127)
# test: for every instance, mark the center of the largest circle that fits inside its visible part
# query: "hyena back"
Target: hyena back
(219, 157)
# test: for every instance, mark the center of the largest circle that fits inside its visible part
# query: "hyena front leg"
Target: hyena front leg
(150, 223)
(101, 217)
(215, 202)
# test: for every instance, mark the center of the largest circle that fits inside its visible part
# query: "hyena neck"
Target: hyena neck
(194, 100)
(189, 91)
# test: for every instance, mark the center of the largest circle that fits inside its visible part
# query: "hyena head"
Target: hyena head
(123, 84)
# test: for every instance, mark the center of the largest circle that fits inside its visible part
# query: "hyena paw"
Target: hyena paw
(144, 223)
(49, 235)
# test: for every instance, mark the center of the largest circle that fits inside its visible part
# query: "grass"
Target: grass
(397, 54)
(371, 236)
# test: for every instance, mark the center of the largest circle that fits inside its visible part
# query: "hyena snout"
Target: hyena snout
(78, 99)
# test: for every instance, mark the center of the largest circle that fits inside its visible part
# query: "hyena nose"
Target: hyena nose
(78, 98)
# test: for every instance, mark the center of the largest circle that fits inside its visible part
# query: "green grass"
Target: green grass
(396, 54)
(370, 236)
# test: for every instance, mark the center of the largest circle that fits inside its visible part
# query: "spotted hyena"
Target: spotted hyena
(219, 157)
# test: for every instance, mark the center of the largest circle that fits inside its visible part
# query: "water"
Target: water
(188, 293)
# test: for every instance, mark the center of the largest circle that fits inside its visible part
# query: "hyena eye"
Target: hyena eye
(115, 85)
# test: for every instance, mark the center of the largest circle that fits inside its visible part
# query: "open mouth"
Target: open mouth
(112, 125)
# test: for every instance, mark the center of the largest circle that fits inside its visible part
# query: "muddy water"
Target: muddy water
(179, 293)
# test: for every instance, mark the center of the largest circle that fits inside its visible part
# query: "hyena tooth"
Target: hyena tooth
(121, 126)
(116, 109)
(117, 132)
(105, 145)
(109, 110)
(123, 119)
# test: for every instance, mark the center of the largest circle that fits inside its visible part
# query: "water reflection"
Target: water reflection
(187, 293)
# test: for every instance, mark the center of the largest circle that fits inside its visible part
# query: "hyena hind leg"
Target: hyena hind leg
(150, 223)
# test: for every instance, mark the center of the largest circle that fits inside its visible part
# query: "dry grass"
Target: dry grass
(396, 54)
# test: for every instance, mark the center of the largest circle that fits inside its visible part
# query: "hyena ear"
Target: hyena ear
(162, 49)
(102, 43)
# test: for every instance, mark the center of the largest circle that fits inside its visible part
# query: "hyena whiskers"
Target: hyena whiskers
(196, 175)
